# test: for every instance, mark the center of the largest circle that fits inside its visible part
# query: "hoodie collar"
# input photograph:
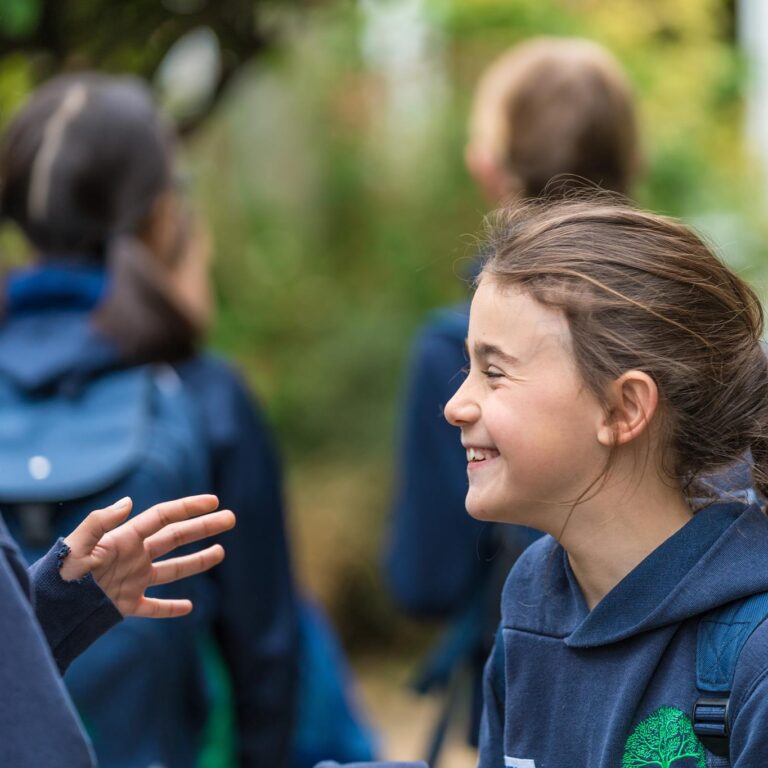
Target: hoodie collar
(68, 285)
(719, 556)
(46, 337)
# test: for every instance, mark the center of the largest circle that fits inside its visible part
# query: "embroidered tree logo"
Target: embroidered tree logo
(665, 737)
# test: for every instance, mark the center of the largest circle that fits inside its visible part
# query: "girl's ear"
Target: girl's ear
(633, 399)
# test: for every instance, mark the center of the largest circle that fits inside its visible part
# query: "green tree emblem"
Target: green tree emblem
(663, 738)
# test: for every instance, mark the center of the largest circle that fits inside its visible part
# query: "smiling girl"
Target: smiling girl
(615, 362)
(615, 370)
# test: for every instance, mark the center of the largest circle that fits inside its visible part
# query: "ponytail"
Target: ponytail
(138, 314)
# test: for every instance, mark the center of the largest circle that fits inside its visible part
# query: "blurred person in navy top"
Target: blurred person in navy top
(119, 281)
(549, 116)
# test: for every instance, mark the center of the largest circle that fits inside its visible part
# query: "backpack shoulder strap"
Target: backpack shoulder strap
(721, 637)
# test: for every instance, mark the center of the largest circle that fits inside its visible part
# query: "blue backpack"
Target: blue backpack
(78, 445)
(85, 442)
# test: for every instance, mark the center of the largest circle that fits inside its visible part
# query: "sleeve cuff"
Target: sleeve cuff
(73, 614)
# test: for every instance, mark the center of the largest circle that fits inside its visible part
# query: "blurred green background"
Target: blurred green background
(328, 163)
(332, 176)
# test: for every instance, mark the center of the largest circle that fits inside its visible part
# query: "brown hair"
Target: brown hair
(550, 107)
(644, 292)
(83, 161)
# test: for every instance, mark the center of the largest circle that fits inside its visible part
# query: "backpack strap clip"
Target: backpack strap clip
(710, 723)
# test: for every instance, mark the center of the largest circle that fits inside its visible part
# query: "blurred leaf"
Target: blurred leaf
(18, 18)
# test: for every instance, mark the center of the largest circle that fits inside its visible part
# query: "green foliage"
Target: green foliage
(337, 228)
(16, 79)
(328, 255)
(19, 18)
(664, 738)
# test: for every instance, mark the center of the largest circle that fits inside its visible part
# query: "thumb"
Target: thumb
(85, 537)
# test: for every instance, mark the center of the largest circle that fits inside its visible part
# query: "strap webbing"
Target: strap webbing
(721, 637)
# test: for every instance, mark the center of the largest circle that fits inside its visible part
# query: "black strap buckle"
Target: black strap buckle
(710, 723)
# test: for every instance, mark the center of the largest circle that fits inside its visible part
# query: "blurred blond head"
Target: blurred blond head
(549, 108)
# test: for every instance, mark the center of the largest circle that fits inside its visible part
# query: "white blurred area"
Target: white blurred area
(753, 37)
(403, 45)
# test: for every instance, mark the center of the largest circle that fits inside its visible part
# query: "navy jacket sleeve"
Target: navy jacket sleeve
(256, 625)
(39, 723)
(433, 562)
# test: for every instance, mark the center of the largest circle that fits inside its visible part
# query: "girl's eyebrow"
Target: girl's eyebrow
(484, 351)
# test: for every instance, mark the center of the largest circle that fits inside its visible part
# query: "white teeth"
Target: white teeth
(475, 454)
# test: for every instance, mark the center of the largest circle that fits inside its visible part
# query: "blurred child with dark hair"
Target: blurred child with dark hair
(103, 378)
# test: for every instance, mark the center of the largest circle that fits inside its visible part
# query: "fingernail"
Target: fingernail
(124, 502)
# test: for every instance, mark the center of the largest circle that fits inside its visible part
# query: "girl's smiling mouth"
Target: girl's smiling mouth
(478, 455)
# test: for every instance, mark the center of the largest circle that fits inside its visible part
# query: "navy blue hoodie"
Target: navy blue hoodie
(594, 689)
(139, 715)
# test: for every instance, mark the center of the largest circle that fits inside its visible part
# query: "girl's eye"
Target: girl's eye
(488, 372)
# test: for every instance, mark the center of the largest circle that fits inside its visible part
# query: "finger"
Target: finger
(156, 608)
(180, 567)
(187, 531)
(85, 537)
(156, 518)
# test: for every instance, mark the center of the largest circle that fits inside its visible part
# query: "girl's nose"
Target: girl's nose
(461, 409)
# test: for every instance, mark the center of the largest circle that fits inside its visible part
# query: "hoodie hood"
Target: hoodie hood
(717, 557)
(46, 337)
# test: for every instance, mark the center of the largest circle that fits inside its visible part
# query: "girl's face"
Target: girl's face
(528, 422)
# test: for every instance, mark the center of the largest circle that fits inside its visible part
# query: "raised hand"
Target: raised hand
(119, 554)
